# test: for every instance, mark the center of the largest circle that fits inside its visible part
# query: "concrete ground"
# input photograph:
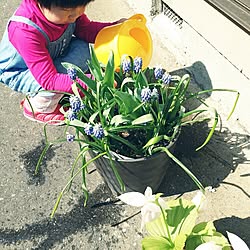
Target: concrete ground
(26, 201)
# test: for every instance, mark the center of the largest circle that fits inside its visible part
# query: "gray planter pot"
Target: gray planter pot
(136, 174)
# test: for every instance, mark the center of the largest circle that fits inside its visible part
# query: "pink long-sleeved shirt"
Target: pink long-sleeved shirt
(31, 43)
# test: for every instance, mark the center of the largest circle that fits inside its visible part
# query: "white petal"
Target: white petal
(135, 199)
(163, 203)
(198, 199)
(236, 242)
(208, 246)
(149, 212)
(148, 192)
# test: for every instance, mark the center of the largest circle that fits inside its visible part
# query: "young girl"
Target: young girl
(39, 36)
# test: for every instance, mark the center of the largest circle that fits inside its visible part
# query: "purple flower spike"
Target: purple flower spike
(158, 72)
(70, 138)
(155, 94)
(137, 64)
(166, 78)
(75, 103)
(126, 65)
(88, 129)
(146, 94)
(72, 73)
(71, 115)
(98, 131)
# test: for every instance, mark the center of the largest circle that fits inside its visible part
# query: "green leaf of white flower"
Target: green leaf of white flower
(157, 227)
(208, 246)
(181, 216)
(156, 243)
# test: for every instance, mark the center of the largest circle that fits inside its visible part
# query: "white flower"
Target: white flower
(198, 199)
(149, 209)
(236, 242)
(208, 246)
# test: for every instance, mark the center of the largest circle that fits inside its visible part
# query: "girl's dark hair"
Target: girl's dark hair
(63, 3)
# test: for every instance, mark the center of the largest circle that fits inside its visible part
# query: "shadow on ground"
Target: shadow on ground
(211, 165)
(48, 232)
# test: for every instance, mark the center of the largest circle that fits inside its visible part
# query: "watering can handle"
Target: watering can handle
(139, 17)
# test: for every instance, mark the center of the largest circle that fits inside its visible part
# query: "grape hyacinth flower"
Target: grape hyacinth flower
(88, 129)
(70, 137)
(71, 115)
(166, 78)
(158, 72)
(126, 65)
(146, 94)
(155, 94)
(98, 131)
(137, 64)
(72, 73)
(75, 103)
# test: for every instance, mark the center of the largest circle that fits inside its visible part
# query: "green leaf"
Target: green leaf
(143, 119)
(157, 227)
(119, 119)
(191, 175)
(94, 65)
(181, 216)
(141, 81)
(156, 243)
(219, 239)
(204, 228)
(109, 72)
(153, 141)
(127, 103)
(77, 123)
(180, 241)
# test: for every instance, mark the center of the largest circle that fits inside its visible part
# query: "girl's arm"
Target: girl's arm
(31, 45)
(87, 30)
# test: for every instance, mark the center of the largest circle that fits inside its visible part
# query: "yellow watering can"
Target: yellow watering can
(131, 37)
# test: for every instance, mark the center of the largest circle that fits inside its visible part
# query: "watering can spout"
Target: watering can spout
(131, 37)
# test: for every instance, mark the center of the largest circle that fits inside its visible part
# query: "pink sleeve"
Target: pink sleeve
(87, 30)
(32, 48)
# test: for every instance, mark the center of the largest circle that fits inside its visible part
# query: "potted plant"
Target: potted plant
(171, 225)
(126, 117)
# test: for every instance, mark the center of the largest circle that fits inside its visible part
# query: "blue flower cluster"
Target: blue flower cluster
(161, 75)
(147, 94)
(95, 130)
(72, 73)
(70, 137)
(166, 78)
(71, 115)
(127, 65)
(76, 105)
(137, 64)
